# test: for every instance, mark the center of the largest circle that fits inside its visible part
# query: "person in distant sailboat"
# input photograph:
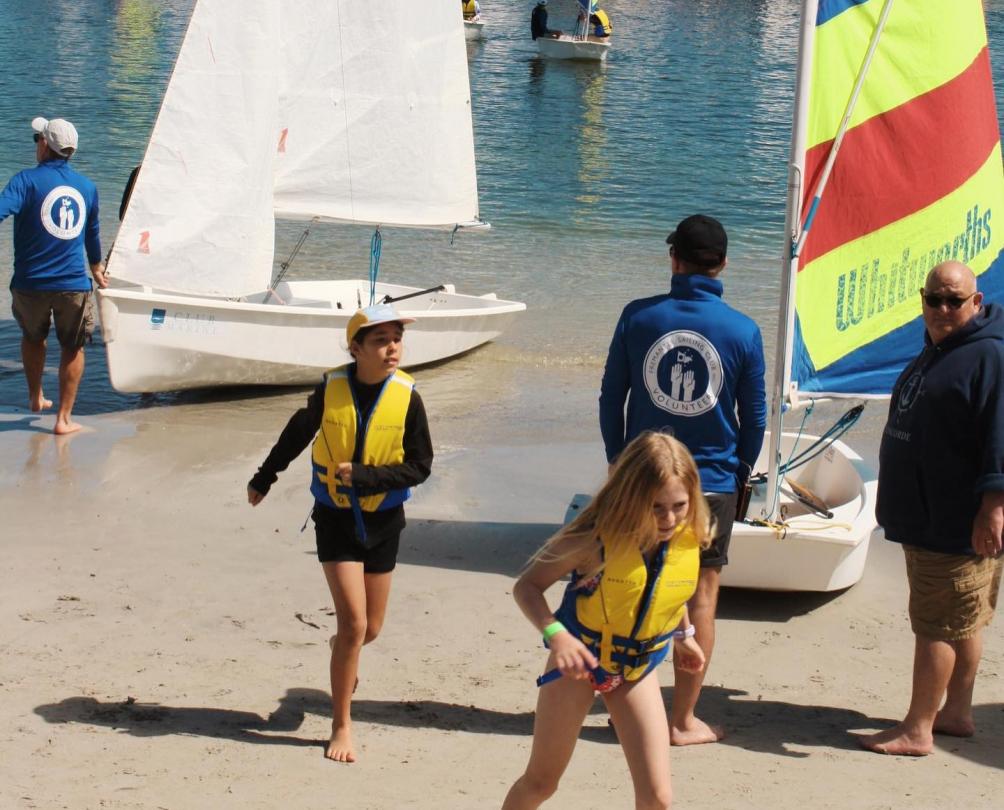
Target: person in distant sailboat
(371, 445)
(602, 27)
(689, 364)
(55, 223)
(538, 22)
(471, 9)
(941, 495)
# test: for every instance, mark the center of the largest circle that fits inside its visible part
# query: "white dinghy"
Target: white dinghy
(578, 45)
(861, 236)
(322, 112)
(474, 29)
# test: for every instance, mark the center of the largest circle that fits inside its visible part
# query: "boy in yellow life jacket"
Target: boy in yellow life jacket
(633, 555)
(371, 444)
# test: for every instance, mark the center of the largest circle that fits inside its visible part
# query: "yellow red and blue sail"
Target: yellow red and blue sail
(588, 6)
(917, 180)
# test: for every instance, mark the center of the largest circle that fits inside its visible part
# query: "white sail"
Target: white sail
(375, 114)
(200, 218)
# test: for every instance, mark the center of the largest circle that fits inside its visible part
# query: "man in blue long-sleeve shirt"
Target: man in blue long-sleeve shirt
(689, 364)
(55, 222)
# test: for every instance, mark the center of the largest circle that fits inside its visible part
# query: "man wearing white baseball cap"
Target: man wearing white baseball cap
(55, 223)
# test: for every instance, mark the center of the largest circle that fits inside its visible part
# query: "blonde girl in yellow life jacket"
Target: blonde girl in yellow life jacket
(633, 558)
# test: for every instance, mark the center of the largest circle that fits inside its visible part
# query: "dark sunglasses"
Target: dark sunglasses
(935, 301)
(36, 137)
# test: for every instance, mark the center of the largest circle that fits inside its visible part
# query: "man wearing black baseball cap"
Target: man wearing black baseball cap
(688, 364)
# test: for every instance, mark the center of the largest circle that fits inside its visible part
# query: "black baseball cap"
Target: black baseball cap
(700, 240)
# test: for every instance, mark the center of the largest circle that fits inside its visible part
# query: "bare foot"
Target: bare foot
(63, 427)
(898, 741)
(697, 732)
(954, 726)
(40, 403)
(340, 748)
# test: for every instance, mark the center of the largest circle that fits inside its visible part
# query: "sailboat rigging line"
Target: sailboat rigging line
(376, 244)
(834, 432)
(838, 139)
(284, 266)
(390, 300)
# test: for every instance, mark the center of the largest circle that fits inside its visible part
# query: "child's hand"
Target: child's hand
(571, 656)
(344, 473)
(688, 655)
(254, 496)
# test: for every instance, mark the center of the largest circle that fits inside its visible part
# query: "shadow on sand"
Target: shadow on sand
(763, 726)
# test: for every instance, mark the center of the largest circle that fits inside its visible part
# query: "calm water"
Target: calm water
(583, 168)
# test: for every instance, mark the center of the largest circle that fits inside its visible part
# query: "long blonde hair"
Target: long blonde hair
(621, 512)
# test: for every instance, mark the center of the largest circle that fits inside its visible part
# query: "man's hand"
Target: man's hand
(100, 277)
(987, 526)
(254, 496)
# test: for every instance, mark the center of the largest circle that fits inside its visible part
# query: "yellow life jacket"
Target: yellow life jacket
(627, 619)
(469, 8)
(604, 27)
(341, 427)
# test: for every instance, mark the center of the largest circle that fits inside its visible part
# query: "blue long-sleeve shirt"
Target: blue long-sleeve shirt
(55, 221)
(689, 364)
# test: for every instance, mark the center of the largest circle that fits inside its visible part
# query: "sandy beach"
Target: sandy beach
(165, 646)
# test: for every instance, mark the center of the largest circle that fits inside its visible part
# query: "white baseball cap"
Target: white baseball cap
(60, 135)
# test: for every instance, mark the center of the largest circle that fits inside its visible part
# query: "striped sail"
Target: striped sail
(917, 180)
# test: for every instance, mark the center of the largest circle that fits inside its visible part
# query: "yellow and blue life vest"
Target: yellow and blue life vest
(603, 26)
(627, 618)
(342, 427)
(469, 9)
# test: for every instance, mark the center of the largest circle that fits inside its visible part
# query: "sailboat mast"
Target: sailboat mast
(789, 261)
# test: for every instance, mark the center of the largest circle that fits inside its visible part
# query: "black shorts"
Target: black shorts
(336, 540)
(723, 513)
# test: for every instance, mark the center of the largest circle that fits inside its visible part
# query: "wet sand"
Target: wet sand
(165, 646)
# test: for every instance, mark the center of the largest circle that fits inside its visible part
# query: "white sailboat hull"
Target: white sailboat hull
(163, 341)
(566, 47)
(474, 29)
(814, 553)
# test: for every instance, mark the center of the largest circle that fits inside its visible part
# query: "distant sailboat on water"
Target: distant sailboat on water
(335, 111)
(895, 167)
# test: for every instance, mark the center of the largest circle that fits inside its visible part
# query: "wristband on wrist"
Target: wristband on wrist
(685, 633)
(552, 630)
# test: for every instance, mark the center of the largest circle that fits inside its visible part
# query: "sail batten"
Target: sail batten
(915, 183)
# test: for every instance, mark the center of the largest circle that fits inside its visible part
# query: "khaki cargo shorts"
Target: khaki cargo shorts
(952, 596)
(72, 312)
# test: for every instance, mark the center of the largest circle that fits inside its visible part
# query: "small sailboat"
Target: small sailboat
(578, 45)
(315, 111)
(474, 29)
(895, 167)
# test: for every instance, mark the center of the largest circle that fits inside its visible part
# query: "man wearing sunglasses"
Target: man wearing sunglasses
(941, 495)
(55, 223)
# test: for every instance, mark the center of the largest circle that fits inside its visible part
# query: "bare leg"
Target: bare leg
(360, 605)
(933, 663)
(640, 720)
(71, 369)
(561, 708)
(685, 727)
(33, 359)
(956, 716)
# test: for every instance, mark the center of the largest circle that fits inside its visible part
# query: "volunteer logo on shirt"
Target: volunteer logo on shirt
(683, 373)
(64, 212)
